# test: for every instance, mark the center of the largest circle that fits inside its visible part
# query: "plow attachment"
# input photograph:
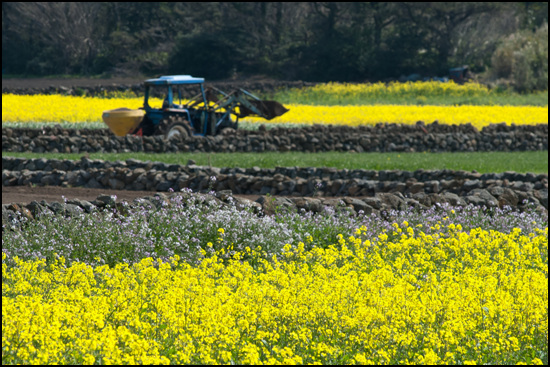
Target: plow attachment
(244, 104)
(268, 109)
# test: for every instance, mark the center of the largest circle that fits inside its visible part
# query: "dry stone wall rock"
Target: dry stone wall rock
(317, 138)
(375, 190)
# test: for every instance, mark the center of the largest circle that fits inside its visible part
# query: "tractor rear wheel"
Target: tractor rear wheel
(177, 128)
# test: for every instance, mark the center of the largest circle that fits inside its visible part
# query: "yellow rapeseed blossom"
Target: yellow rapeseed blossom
(479, 116)
(346, 91)
(57, 108)
(476, 297)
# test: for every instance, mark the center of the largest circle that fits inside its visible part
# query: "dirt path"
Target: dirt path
(22, 194)
(25, 194)
(43, 83)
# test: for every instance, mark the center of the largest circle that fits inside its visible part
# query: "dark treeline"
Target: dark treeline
(317, 41)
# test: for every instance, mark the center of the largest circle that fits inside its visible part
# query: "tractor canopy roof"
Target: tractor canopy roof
(174, 80)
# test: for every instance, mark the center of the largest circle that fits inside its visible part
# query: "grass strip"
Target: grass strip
(512, 99)
(419, 93)
(483, 162)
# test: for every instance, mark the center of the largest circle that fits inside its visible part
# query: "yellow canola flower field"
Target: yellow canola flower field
(345, 92)
(57, 108)
(456, 297)
(396, 88)
(479, 116)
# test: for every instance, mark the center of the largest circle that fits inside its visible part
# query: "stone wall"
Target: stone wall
(376, 190)
(318, 138)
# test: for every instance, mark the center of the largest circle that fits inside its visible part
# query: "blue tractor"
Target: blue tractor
(208, 113)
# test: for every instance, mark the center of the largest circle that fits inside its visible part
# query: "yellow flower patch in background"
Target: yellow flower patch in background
(57, 108)
(479, 116)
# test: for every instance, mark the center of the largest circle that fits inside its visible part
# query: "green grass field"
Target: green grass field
(483, 162)
(413, 96)
(311, 96)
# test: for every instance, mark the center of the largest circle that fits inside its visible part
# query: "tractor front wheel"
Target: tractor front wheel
(177, 129)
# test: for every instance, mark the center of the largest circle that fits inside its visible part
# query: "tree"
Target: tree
(317, 41)
(59, 34)
(438, 22)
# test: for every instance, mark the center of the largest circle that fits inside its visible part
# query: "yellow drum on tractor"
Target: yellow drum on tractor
(208, 113)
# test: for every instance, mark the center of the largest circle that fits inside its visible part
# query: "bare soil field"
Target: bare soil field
(69, 85)
(25, 194)
(28, 83)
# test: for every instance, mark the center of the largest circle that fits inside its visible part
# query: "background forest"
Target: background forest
(504, 43)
